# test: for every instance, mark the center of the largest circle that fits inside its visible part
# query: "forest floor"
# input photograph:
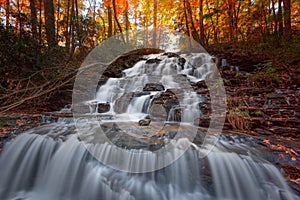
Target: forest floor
(263, 100)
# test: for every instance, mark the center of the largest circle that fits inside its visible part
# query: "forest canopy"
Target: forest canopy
(84, 24)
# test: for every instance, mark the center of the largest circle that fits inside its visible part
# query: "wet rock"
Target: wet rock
(158, 113)
(144, 122)
(103, 107)
(205, 108)
(202, 91)
(263, 131)
(122, 103)
(153, 87)
(178, 93)
(167, 99)
(175, 114)
(153, 61)
(171, 54)
(181, 62)
(203, 122)
(139, 94)
(201, 84)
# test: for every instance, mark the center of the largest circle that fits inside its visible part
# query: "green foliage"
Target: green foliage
(264, 64)
(257, 113)
(239, 118)
(243, 113)
(270, 70)
(6, 121)
(238, 74)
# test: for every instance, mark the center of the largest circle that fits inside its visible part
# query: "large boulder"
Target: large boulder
(162, 104)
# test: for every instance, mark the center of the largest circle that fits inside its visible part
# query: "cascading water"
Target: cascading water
(38, 167)
(51, 163)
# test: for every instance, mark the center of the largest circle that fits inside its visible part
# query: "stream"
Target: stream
(137, 139)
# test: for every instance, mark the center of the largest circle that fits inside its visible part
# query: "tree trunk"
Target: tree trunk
(127, 23)
(231, 22)
(194, 31)
(280, 22)
(154, 23)
(71, 33)
(7, 14)
(117, 21)
(49, 23)
(202, 36)
(187, 23)
(77, 23)
(33, 18)
(67, 27)
(287, 18)
(18, 16)
(109, 16)
(265, 12)
(57, 21)
(236, 18)
(275, 18)
(40, 21)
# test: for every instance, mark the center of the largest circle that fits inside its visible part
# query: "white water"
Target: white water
(35, 166)
(168, 72)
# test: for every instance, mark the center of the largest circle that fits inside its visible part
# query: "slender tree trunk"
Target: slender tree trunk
(194, 31)
(76, 13)
(109, 16)
(146, 41)
(287, 18)
(18, 16)
(94, 10)
(202, 36)
(57, 20)
(280, 22)
(71, 33)
(40, 21)
(154, 23)
(50, 23)
(187, 23)
(33, 18)
(7, 14)
(67, 27)
(117, 21)
(236, 18)
(275, 18)
(127, 23)
(231, 21)
(264, 14)
(248, 32)
(77, 23)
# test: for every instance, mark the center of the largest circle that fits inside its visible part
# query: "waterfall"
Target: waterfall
(54, 161)
(35, 167)
(171, 72)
